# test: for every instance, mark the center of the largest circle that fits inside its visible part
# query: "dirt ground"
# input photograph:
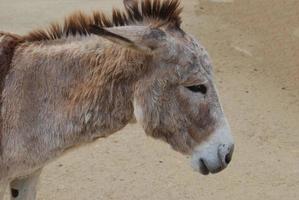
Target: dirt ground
(255, 48)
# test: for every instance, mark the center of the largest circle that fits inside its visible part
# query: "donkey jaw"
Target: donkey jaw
(214, 154)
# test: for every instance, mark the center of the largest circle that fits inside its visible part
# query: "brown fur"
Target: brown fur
(145, 12)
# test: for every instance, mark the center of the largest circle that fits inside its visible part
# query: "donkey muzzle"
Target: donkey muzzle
(215, 154)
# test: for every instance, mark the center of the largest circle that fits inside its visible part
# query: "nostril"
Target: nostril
(228, 158)
(225, 153)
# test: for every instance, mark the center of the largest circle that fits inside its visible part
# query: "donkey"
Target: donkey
(86, 79)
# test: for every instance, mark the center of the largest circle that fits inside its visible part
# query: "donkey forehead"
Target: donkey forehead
(191, 55)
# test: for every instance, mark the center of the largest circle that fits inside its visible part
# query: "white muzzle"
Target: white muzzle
(214, 154)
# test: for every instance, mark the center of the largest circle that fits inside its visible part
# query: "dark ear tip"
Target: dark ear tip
(92, 28)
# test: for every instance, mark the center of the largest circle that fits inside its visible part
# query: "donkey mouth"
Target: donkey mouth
(203, 169)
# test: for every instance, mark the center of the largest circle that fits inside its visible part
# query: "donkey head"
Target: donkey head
(176, 99)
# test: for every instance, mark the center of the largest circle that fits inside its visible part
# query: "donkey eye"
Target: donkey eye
(198, 88)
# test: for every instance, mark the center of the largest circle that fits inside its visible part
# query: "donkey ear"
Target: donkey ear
(118, 39)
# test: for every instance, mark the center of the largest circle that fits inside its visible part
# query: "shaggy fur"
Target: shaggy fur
(75, 83)
(145, 12)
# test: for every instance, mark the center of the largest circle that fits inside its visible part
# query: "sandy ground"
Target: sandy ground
(254, 45)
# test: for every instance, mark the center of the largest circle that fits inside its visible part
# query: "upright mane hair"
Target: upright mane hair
(140, 13)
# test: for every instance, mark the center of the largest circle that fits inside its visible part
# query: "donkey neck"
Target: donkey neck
(101, 103)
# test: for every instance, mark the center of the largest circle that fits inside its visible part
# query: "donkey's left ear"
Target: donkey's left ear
(118, 39)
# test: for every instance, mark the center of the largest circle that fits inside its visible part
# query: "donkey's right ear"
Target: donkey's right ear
(118, 39)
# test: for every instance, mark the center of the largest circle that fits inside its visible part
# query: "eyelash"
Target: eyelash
(198, 88)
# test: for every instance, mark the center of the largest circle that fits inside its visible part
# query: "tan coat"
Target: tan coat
(71, 84)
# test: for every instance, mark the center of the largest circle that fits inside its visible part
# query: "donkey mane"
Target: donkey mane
(145, 12)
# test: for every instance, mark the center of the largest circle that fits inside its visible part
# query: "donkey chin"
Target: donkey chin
(214, 154)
